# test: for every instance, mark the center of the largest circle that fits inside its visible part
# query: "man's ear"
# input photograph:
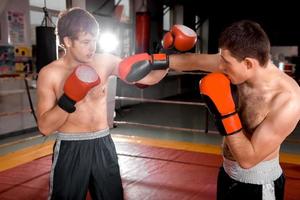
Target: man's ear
(67, 42)
(250, 62)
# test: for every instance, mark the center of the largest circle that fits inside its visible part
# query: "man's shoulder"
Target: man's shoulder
(106, 57)
(107, 62)
(295, 99)
(291, 89)
(287, 99)
(51, 71)
(53, 66)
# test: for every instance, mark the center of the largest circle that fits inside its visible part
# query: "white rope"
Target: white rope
(159, 101)
(164, 127)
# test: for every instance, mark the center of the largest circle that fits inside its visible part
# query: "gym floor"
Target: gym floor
(157, 161)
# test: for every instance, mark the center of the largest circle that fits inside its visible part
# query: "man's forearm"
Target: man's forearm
(194, 61)
(242, 149)
(153, 77)
(52, 120)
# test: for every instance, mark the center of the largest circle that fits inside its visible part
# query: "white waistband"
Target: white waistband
(262, 173)
(82, 136)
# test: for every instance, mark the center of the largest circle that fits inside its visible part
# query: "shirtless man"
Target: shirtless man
(268, 110)
(72, 95)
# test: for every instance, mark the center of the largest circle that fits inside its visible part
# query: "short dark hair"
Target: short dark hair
(246, 38)
(73, 21)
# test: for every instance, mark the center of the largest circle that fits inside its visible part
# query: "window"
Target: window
(37, 13)
(50, 4)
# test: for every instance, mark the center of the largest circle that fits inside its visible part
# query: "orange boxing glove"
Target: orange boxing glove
(180, 37)
(216, 92)
(77, 85)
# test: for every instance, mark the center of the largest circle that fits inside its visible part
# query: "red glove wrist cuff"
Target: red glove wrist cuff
(232, 123)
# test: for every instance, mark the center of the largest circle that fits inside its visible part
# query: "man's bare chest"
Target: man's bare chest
(253, 108)
(97, 93)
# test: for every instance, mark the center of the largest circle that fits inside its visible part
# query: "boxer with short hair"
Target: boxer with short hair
(72, 100)
(267, 110)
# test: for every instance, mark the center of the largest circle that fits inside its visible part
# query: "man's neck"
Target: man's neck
(261, 76)
(70, 62)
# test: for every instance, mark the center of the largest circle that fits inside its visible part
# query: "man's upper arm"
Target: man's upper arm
(46, 98)
(115, 65)
(279, 123)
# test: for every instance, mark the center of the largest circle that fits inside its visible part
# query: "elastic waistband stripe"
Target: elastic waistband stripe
(83, 135)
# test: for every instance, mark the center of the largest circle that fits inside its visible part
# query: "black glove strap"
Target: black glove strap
(220, 126)
(170, 51)
(160, 64)
(67, 104)
(234, 132)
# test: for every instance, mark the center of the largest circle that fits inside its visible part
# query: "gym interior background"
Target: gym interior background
(171, 110)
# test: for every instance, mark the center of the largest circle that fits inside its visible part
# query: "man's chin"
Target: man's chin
(86, 60)
(234, 82)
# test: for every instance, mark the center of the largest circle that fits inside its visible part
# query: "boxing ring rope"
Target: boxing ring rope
(186, 72)
(21, 140)
(26, 78)
(23, 111)
(28, 110)
(165, 127)
(205, 130)
(288, 140)
(159, 101)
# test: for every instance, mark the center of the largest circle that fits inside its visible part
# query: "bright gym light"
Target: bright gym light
(108, 42)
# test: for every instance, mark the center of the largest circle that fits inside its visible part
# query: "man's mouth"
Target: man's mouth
(90, 55)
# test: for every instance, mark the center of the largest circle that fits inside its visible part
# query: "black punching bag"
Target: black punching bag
(46, 48)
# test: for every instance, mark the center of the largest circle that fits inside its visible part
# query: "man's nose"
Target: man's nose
(93, 47)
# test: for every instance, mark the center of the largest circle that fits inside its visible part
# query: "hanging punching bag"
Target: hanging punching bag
(46, 48)
(142, 32)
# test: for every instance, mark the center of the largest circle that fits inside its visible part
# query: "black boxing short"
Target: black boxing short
(85, 162)
(265, 181)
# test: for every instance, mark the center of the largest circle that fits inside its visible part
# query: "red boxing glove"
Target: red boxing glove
(77, 85)
(180, 37)
(216, 92)
(136, 67)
